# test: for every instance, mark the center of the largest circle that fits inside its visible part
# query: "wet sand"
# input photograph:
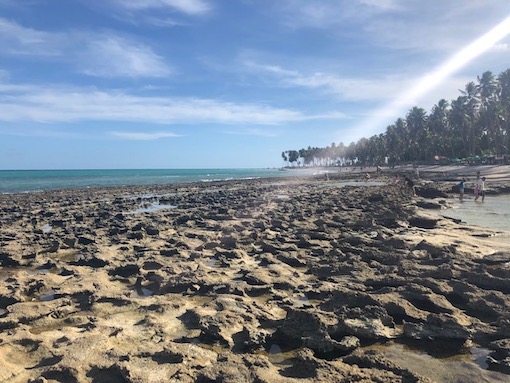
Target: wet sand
(279, 280)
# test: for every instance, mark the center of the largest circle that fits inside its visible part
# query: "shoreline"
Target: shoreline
(266, 280)
(496, 175)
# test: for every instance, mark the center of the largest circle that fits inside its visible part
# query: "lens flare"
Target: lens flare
(429, 81)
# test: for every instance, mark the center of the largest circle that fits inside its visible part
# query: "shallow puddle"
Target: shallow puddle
(470, 367)
(47, 296)
(153, 207)
(493, 213)
(279, 357)
(144, 292)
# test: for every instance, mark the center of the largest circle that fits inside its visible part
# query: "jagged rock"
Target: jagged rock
(368, 322)
(52, 247)
(125, 271)
(374, 360)
(499, 358)
(152, 230)
(82, 240)
(433, 250)
(437, 326)
(423, 222)
(309, 329)
(7, 260)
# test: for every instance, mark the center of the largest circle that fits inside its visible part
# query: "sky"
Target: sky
(113, 84)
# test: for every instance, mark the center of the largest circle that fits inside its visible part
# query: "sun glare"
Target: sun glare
(430, 80)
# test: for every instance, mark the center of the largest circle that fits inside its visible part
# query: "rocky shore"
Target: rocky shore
(282, 280)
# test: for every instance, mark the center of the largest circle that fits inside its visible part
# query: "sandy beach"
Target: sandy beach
(299, 279)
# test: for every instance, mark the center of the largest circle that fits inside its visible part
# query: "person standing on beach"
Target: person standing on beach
(461, 189)
(480, 185)
(476, 189)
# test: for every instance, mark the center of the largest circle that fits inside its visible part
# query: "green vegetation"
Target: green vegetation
(473, 128)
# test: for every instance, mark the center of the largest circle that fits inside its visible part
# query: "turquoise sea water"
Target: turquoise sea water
(17, 181)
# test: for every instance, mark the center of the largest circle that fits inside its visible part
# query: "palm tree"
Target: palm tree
(418, 133)
(440, 134)
(284, 157)
(487, 120)
(504, 112)
(293, 156)
(476, 122)
(459, 121)
(471, 106)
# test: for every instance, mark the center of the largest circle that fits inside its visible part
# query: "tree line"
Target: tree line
(474, 125)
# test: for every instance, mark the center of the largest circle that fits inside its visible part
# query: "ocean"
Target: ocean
(24, 181)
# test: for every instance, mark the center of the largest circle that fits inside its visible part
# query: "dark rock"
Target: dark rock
(309, 329)
(423, 222)
(437, 326)
(429, 205)
(430, 192)
(499, 359)
(169, 252)
(52, 247)
(82, 240)
(125, 271)
(70, 241)
(494, 259)
(151, 230)
(7, 260)
(93, 262)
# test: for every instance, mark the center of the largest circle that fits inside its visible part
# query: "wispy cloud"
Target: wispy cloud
(357, 89)
(433, 25)
(113, 56)
(143, 136)
(95, 54)
(159, 13)
(54, 104)
(191, 7)
(343, 88)
(328, 14)
(382, 4)
(19, 40)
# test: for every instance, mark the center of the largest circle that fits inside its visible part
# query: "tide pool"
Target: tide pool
(493, 213)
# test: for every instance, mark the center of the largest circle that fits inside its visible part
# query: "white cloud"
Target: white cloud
(382, 4)
(379, 89)
(432, 25)
(143, 136)
(53, 104)
(191, 7)
(19, 40)
(94, 54)
(343, 88)
(112, 56)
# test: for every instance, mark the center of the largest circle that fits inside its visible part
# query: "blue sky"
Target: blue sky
(226, 83)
